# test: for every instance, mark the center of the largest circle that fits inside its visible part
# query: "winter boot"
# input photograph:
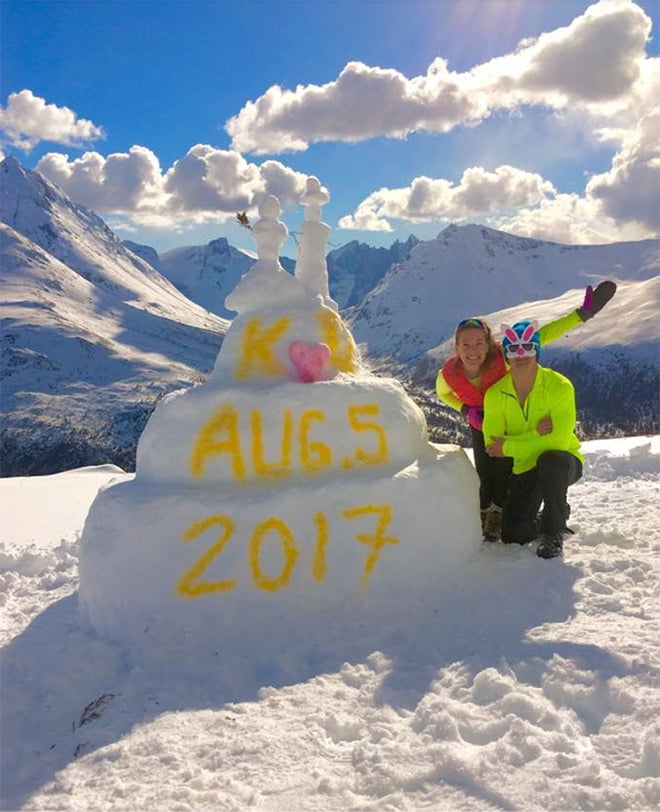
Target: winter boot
(550, 546)
(567, 529)
(492, 525)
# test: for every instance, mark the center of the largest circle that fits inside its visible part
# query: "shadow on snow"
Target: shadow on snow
(66, 693)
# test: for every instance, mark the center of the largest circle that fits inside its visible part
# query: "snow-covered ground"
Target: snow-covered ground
(530, 685)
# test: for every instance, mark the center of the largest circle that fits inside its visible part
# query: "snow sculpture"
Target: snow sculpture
(266, 283)
(292, 486)
(311, 267)
(275, 308)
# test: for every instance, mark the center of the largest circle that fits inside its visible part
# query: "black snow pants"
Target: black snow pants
(547, 483)
(494, 473)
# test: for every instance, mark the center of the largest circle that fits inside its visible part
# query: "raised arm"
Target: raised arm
(594, 301)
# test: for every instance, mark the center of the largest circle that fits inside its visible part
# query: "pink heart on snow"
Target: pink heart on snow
(309, 360)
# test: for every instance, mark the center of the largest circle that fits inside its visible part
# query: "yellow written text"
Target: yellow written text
(260, 350)
(274, 530)
(243, 450)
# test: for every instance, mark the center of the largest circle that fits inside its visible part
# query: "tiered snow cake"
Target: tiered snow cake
(293, 487)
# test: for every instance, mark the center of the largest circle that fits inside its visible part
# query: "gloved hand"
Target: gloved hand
(596, 299)
(475, 416)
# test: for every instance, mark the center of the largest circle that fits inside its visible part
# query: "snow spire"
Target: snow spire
(311, 268)
(269, 233)
(266, 283)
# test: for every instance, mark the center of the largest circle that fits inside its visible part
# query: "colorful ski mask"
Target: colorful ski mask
(522, 340)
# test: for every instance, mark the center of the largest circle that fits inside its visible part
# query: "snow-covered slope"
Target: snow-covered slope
(207, 273)
(92, 335)
(85, 331)
(356, 268)
(528, 685)
(473, 270)
(76, 236)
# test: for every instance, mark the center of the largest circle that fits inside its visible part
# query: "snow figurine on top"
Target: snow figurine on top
(292, 486)
(287, 326)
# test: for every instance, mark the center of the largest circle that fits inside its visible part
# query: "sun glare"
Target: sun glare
(483, 27)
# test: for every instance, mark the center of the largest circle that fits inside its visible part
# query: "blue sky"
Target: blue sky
(538, 117)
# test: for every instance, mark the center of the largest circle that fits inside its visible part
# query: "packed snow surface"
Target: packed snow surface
(528, 684)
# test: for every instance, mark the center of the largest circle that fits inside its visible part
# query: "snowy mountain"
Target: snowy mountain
(472, 270)
(92, 334)
(207, 273)
(145, 252)
(76, 236)
(356, 268)
(95, 330)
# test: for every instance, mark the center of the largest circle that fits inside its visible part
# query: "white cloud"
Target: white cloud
(27, 120)
(361, 103)
(630, 191)
(570, 219)
(120, 182)
(596, 63)
(479, 192)
(210, 183)
(206, 185)
(208, 179)
(620, 204)
(286, 184)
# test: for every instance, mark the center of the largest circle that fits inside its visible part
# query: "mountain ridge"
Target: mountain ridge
(473, 271)
(91, 335)
(94, 333)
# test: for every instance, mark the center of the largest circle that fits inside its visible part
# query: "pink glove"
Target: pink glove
(475, 416)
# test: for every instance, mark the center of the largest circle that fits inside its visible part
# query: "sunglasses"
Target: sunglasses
(471, 323)
(521, 350)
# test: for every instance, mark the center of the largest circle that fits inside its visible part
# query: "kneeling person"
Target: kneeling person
(530, 416)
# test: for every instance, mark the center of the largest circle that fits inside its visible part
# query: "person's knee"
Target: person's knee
(554, 463)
